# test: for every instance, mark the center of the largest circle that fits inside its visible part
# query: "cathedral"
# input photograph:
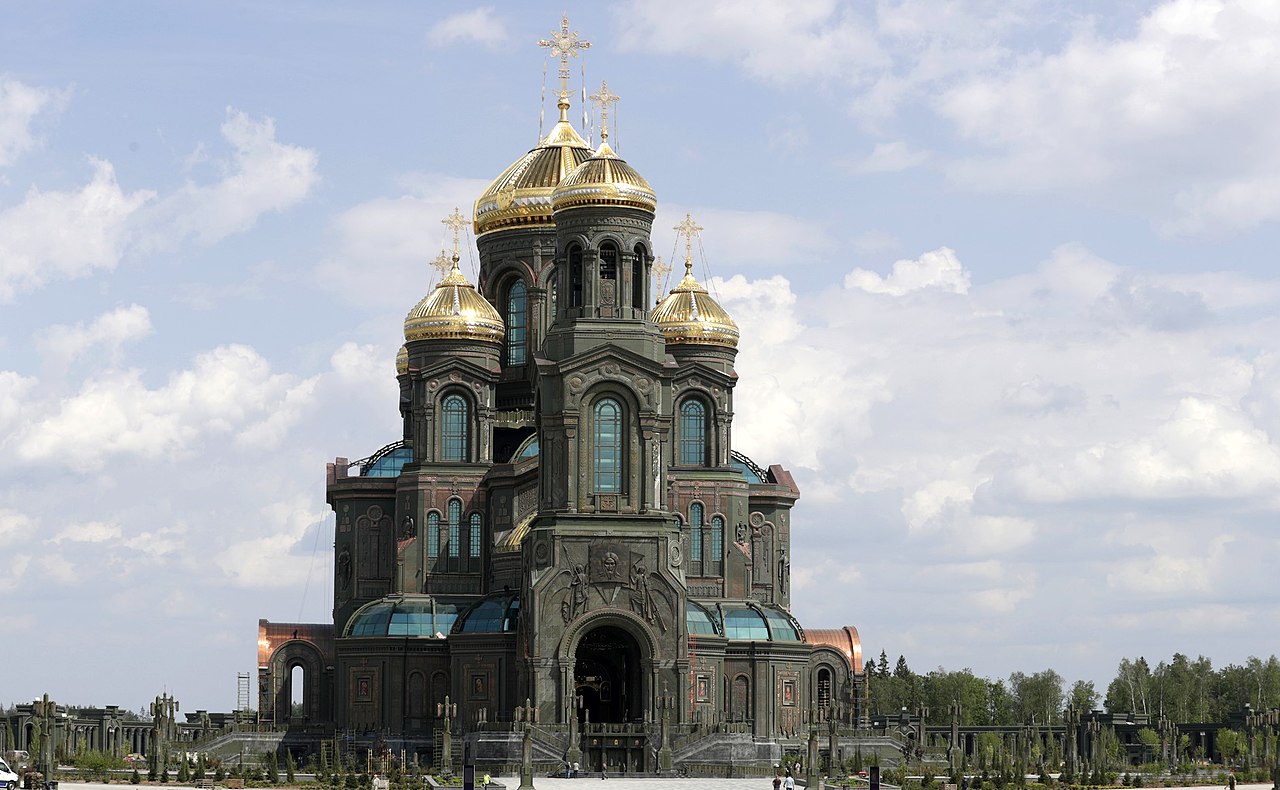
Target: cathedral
(564, 520)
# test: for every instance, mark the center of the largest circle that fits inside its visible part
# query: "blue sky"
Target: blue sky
(1002, 272)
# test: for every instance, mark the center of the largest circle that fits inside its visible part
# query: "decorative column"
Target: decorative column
(526, 714)
(666, 704)
(446, 710)
(955, 710)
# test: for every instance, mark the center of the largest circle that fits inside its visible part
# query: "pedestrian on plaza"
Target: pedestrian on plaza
(604, 770)
(789, 783)
(777, 782)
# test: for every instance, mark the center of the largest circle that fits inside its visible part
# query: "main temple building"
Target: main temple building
(564, 519)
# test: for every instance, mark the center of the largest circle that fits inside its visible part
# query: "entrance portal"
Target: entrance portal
(606, 676)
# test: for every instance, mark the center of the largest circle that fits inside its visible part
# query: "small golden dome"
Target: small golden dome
(454, 310)
(690, 315)
(402, 361)
(521, 196)
(604, 179)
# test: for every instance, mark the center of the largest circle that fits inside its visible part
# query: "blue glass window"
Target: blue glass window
(433, 534)
(608, 446)
(695, 532)
(390, 464)
(453, 444)
(517, 324)
(780, 626)
(455, 525)
(693, 433)
(698, 620)
(473, 545)
(744, 623)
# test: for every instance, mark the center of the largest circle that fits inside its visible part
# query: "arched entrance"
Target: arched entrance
(607, 676)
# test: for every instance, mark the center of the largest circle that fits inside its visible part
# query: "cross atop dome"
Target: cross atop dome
(688, 229)
(564, 44)
(605, 99)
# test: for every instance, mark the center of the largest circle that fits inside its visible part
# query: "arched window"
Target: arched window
(455, 525)
(433, 534)
(454, 424)
(517, 324)
(715, 566)
(824, 687)
(575, 276)
(695, 536)
(693, 433)
(607, 463)
(473, 542)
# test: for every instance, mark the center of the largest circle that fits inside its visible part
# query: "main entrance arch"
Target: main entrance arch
(607, 676)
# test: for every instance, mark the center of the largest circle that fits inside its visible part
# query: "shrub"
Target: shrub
(134, 778)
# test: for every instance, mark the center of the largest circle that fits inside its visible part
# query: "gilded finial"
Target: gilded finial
(688, 228)
(443, 263)
(604, 98)
(456, 222)
(564, 44)
(660, 271)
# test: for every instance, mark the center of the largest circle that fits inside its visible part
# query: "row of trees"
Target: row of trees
(1180, 689)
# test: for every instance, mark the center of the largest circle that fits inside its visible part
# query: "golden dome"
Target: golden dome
(690, 315)
(454, 310)
(604, 179)
(402, 361)
(521, 196)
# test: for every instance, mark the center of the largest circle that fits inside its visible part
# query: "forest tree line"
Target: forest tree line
(1181, 689)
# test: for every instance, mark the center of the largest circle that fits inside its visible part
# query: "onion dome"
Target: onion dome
(688, 315)
(604, 180)
(521, 196)
(402, 361)
(454, 310)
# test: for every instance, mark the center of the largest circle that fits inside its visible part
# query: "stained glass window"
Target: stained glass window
(608, 446)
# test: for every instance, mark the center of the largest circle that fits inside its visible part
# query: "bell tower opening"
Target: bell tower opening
(606, 677)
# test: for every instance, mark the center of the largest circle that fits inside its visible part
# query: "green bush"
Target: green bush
(134, 778)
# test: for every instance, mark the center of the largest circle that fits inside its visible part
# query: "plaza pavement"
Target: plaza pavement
(584, 783)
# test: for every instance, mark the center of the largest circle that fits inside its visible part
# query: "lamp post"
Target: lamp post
(527, 714)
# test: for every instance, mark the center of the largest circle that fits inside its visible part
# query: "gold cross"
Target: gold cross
(564, 44)
(457, 222)
(443, 263)
(604, 98)
(660, 271)
(688, 228)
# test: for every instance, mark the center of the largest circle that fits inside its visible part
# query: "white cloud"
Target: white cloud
(479, 25)
(939, 269)
(775, 42)
(110, 331)
(89, 532)
(262, 176)
(14, 526)
(14, 390)
(735, 239)
(19, 106)
(361, 364)
(15, 569)
(267, 559)
(890, 158)
(385, 244)
(1170, 110)
(36, 247)
(230, 389)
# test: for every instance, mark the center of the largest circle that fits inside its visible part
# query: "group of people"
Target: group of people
(784, 783)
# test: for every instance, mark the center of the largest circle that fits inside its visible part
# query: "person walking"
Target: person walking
(789, 783)
(777, 782)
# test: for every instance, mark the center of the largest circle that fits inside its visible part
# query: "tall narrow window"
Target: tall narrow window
(575, 277)
(638, 280)
(695, 535)
(453, 436)
(608, 446)
(473, 544)
(717, 546)
(433, 534)
(824, 687)
(607, 295)
(693, 433)
(517, 324)
(455, 525)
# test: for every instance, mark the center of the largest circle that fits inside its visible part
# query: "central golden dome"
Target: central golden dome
(454, 310)
(690, 315)
(521, 196)
(604, 179)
